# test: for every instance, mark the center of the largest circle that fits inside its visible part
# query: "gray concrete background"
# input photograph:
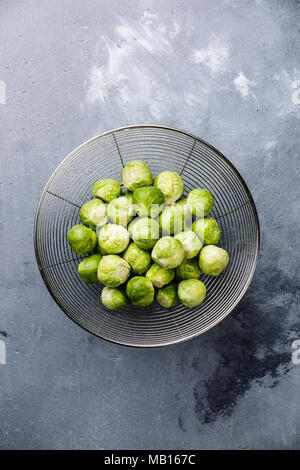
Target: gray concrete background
(227, 71)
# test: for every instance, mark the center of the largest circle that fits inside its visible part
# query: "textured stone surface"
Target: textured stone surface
(226, 71)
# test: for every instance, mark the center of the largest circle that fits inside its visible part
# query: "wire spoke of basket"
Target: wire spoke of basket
(188, 157)
(62, 198)
(103, 323)
(178, 329)
(117, 146)
(62, 262)
(234, 210)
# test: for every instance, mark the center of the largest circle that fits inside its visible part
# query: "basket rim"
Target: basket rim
(141, 126)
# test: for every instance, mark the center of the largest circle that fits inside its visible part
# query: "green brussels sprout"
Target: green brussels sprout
(145, 233)
(113, 270)
(93, 213)
(139, 260)
(213, 260)
(168, 252)
(82, 239)
(131, 225)
(191, 292)
(167, 297)
(113, 298)
(148, 201)
(136, 174)
(190, 242)
(129, 195)
(100, 250)
(188, 216)
(87, 269)
(188, 269)
(107, 189)
(174, 219)
(207, 230)
(113, 238)
(183, 203)
(171, 184)
(159, 276)
(140, 291)
(200, 201)
(120, 210)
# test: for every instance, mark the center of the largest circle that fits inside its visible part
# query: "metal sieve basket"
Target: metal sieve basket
(162, 148)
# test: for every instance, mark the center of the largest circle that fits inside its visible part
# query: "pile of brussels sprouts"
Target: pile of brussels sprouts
(148, 237)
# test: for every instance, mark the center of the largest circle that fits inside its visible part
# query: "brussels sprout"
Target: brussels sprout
(139, 260)
(168, 252)
(188, 269)
(208, 230)
(183, 203)
(148, 201)
(191, 292)
(188, 216)
(82, 239)
(167, 297)
(113, 238)
(113, 270)
(131, 225)
(107, 189)
(140, 291)
(93, 213)
(159, 276)
(145, 233)
(190, 242)
(129, 195)
(174, 219)
(200, 201)
(120, 210)
(87, 269)
(171, 184)
(136, 174)
(213, 260)
(100, 250)
(113, 298)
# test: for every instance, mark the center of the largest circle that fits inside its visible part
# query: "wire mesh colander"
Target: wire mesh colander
(163, 149)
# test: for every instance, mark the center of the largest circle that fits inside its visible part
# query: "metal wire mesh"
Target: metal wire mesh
(163, 149)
